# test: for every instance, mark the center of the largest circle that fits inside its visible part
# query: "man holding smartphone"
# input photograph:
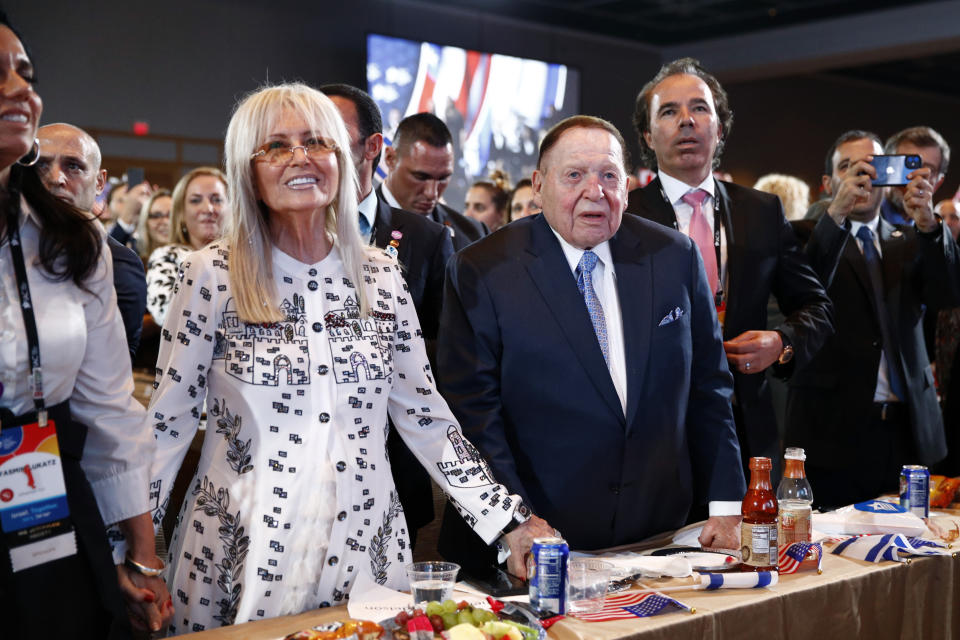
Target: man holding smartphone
(865, 404)
(934, 154)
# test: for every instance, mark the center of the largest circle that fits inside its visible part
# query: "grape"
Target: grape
(450, 620)
(464, 617)
(437, 623)
(434, 609)
(482, 615)
(449, 606)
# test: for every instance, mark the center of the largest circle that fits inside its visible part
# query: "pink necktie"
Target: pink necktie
(701, 234)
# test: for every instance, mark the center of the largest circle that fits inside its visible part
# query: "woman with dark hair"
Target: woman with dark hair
(487, 201)
(521, 200)
(68, 420)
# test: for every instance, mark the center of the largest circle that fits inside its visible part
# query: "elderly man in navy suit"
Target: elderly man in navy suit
(580, 350)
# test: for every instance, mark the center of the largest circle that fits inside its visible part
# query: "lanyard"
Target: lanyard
(29, 321)
(718, 294)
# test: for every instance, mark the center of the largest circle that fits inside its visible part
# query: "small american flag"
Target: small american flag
(790, 556)
(628, 605)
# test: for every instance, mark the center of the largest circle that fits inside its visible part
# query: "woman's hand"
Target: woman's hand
(148, 602)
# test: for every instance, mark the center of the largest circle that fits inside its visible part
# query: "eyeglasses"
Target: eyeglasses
(279, 153)
(157, 215)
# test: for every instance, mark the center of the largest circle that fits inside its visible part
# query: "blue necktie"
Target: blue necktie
(872, 259)
(585, 284)
(364, 226)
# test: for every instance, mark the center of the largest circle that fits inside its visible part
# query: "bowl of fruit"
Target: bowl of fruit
(449, 620)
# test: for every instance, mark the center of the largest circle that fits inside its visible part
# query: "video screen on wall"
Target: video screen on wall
(497, 107)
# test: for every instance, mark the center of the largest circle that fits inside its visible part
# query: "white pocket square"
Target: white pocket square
(676, 314)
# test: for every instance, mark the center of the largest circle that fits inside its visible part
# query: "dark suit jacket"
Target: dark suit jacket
(463, 230)
(131, 286)
(423, 250)
(126, 239)
(763, 258)
(522, 370)
(830, 401)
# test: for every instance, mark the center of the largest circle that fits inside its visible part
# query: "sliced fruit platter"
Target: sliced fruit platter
(449, 620)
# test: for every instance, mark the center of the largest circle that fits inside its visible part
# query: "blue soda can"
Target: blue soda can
(547, 574)
(915, 489)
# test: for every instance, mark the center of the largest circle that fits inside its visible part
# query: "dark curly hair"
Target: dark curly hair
(683, 66)
(70, 242)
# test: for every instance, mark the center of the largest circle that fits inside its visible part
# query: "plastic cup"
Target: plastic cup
(587, 582)
(432, 581)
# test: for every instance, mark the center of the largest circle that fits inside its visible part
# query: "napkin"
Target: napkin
(628, 564)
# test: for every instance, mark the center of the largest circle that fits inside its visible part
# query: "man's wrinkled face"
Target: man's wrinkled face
(420, 175)
(948, 211)
(69, 165)
(581, 186)
(931, 158)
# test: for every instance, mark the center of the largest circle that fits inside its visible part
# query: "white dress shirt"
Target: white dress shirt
(883, 392)
(605, 286)
(389, 197)
(675, 190)
(368, 209)
(82, 340)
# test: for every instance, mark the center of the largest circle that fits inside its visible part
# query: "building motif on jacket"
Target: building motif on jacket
(266, 354)
(360, 347)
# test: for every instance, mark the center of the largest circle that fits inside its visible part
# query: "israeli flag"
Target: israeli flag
(891, 547)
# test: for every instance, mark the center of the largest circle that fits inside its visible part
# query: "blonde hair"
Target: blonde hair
(794, 193)
(146, 245)
(249, 242)
(178, 230)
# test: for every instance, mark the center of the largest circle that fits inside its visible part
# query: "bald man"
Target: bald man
(69, 166)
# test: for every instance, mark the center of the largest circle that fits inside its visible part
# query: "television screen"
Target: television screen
(497, 107)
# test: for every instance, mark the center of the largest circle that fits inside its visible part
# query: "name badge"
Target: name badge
(34, 514)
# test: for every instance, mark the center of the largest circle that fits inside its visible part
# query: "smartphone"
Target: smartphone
(496, 582)
(893, 170)
(134, 176)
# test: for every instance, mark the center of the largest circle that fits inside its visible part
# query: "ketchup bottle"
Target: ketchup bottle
(758, 532)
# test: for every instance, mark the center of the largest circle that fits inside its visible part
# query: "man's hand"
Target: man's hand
(721, 532)
(149, 606)
(854, 190)
(520, 540)
(133, 200)
(753, 351)
(918, 200)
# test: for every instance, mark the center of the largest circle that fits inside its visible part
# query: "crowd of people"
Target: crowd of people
(567, 356)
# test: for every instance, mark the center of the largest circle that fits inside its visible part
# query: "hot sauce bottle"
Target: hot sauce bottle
(758, 531)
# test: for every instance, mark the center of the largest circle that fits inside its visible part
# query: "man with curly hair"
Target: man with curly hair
(749, 250)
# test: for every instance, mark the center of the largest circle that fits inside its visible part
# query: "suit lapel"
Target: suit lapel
(550, 272)
(727, 214)
(656, 207)
(383, 223)
(853, 255)
(635, 291)
(892, 246)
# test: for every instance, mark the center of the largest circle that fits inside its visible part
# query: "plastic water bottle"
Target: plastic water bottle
(795, 498)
